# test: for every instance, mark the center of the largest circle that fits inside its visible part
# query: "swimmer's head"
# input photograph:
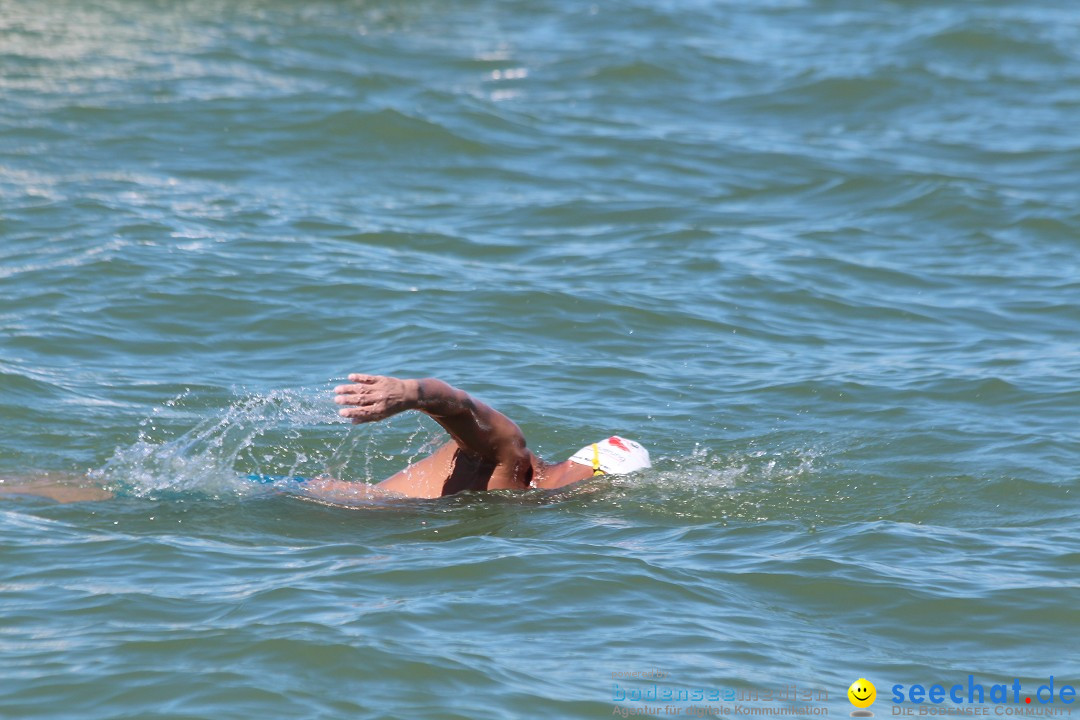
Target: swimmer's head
(614, 456)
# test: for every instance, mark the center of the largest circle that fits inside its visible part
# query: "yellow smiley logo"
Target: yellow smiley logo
(862, 693)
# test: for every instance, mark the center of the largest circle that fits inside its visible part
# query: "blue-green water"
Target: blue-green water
(820, 256)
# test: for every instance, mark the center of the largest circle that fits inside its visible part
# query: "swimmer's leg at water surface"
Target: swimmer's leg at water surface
(60, 488)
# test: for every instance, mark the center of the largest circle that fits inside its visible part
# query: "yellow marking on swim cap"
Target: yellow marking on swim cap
(596, 459)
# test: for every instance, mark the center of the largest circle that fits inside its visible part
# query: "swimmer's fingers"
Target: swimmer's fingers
(370, 413)
(359, 394)
(378, 384)
(359, 381)
(364, 413)
(361, 400)
(373, 397)
(345, 394)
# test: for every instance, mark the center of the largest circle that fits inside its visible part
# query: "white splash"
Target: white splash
(282, 433)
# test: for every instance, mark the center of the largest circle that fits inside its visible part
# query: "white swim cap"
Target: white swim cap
(614, 456)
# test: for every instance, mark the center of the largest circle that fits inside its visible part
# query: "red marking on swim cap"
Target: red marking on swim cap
(617, 442)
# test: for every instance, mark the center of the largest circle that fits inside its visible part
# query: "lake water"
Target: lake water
(821, 257)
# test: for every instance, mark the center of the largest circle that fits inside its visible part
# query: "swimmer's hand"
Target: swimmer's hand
(478, 429)
(375, 397)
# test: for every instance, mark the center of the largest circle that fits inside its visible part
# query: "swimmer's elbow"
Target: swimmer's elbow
(477, 428)
(440, 399)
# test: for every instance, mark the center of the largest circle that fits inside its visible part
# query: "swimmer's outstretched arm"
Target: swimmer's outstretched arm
(477, 428)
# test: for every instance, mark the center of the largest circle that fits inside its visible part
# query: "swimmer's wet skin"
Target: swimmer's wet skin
(487, 450)
(59, 488)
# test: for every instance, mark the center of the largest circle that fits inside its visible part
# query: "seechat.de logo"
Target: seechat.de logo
(862, 695)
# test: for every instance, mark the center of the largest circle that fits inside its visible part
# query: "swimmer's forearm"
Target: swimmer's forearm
(474, 425)
(477, 428)
(437, 398)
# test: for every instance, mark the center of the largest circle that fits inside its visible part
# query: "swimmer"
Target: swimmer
(487, 450)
